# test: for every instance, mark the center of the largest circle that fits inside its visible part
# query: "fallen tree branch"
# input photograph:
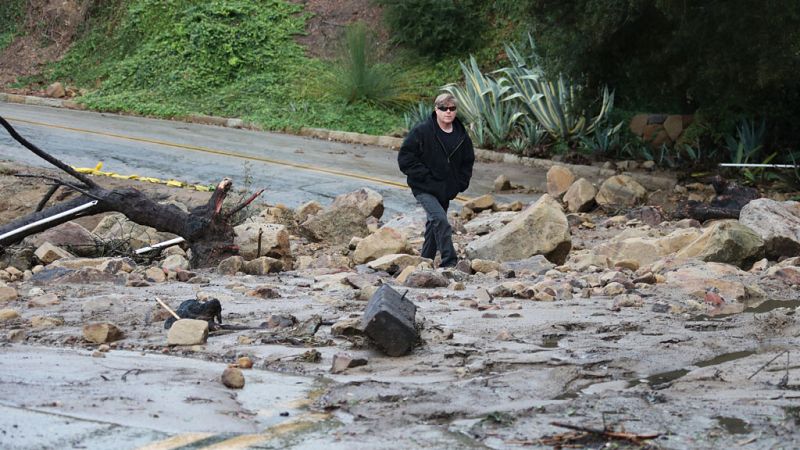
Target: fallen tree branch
(620, 435)
(206, 229)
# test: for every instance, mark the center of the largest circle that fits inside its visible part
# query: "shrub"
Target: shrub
(435, 27)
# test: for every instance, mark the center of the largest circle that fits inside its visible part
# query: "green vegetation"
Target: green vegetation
(537, 77)
(435, 27)
(11, 15)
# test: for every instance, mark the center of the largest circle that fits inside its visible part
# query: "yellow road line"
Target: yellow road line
(219, 152)
(244, 441)
(177, 441)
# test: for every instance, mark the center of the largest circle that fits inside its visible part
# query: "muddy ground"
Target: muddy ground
(489, 373)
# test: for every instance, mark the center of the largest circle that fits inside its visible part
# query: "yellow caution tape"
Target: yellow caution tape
(172, 183)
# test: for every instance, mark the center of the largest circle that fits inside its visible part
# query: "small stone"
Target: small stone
(100, 333)
(265, 292)
(614, 288)
(504, 335)
(244, 340)
(7, 294)
(233, 378)
(628, 301)
(98, 354)
(343, 361)
(43, 300)
(347, 327)
(155, 274)
(457, 286)
(244, 362)
(47, 253)
(46, 322)
(8, 314)
(105, 348)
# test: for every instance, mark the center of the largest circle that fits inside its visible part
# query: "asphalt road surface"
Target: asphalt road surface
(293, 169)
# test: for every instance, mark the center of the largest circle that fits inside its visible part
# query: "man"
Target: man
(437, 158)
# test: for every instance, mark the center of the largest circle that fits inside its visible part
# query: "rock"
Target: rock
(43, 300)
(649, 215)
(484, 266)
(155, 274)
(280, 321)
(7, 294)
(789, 275)
(8, 314)
(481, 203)
(307, 209)
(273, 239)
(47, 253)
(502, 183)
(344, 361)
(244, 363)
(265, 291)
(347, 327)
(613, 289)
(642, 251)
(262, 266)
(559, 179)
(486, 223)
(580, 196)
(404, 274)
(542, 228)
(535, 265)
(55, 90)
(19, 257)
(695, 279)
(233, 378)
(426, 279)
(395, 263)
(677, 240)
(231, 265)
(778, 224)
(620, 191)
(107, 265)
(389, 321)
(42, 322)
(345, 217)
(175, 263)
(101, 333)
(726, 241)
(638, 123)
(69, 235)
(188, 332)
(385, 241)
(628, 301)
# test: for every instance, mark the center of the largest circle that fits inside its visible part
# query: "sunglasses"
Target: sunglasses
(446, 108)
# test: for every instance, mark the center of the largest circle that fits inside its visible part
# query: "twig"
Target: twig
(608, 433)
(244, 204)
(60, 182)
(768, 363)
(160, 302)
(52, 190)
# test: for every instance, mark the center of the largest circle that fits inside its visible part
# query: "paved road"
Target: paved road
(293, 169)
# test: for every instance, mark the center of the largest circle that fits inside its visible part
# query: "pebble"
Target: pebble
(244, 363)
(233, 378)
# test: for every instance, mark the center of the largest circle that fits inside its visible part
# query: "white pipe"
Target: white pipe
(775, 166)
(48, 219)
(164, 244)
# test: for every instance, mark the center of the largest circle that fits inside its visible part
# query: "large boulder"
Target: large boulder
(778, 224)
(486, 223)
(580, 196)
(345, 217)
(385, 241)
(272, 238)
(640, 249)
(726, 241)
(696, 279)
(541, 229)
(559, 179)
(620, 191)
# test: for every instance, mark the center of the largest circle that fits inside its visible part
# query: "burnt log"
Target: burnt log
(207, 229)
(389, 321)
(727, 204)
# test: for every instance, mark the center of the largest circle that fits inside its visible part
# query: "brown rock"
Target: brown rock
(43, 300)
(188, 332)
(343, 361)
(230, 266)
(559, 179)
(8, 314)
(55, 90)
(481, 203)
(673, 125)
(638, 122)
(262, 266)
(100, 333)
(47, 253)
(502, 183)
(244, 363)
(46, 322)
(7, 294)
(233, 378)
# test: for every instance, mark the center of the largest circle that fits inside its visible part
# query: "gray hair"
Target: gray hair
(444, 99)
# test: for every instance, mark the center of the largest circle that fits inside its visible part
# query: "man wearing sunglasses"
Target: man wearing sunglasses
(437, 158)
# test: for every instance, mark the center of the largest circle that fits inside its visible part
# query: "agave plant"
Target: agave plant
(484, 102)
(748, 142)
(555, 107)
(416, 114)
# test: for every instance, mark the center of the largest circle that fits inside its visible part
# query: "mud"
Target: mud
(486, 375)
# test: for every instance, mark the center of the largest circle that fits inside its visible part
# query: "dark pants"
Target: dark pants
(438, 233)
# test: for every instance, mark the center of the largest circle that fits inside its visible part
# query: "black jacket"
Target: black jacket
(429, 167)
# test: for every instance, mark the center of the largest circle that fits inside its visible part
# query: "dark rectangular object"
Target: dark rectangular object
(389, 321)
